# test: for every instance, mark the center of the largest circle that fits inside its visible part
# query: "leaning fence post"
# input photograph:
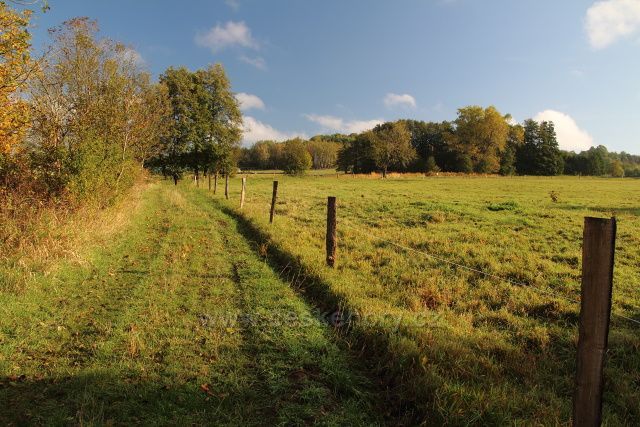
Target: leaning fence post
(242, 192)
(226, 186)
(331, 231)
(273, 201)
(595, 312)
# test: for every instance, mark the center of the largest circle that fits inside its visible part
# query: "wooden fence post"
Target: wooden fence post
(215, 183)
(273, 201)
(209, 178)
(242, 192)
(226, 186)
(331, 231)
(595, 312)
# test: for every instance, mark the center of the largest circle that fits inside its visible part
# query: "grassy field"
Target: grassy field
(453, 345)
(195, 312)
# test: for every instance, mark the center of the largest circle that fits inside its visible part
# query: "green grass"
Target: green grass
(195, 312)
(490, 352)
(178, 321)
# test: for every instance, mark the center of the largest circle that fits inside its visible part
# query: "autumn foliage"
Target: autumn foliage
(15, 67)
(76, 126)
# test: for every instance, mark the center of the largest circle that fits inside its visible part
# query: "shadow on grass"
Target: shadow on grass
(104, 399)
(390, 372)
(413, 394)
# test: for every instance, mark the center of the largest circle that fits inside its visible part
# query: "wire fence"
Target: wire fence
(343, 223)
(482, 273)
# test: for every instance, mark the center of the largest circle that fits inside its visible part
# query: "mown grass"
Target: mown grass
(175, 321)
(451, 345)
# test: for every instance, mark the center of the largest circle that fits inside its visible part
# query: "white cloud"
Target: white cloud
(254, 130)
(395, 100)
(570, 136)
(227, 35)
(233, 4)
(338, 124)
(257, 62)
(248, 101)
(610, 20)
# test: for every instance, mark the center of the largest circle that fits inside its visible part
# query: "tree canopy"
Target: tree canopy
(207, 122)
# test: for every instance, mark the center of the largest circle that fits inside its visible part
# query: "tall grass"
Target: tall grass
(35, 233)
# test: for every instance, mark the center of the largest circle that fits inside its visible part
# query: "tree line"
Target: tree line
(79, 123)
(294, 156)
(479, 140)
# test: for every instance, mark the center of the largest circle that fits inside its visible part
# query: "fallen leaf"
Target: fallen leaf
(205, 389)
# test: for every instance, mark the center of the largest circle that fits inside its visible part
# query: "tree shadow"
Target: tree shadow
(534, 372)
(101, 398)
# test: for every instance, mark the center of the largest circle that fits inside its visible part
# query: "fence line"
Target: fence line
(475, 270)
(472, 269)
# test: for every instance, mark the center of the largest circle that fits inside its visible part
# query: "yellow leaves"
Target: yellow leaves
(15, 65)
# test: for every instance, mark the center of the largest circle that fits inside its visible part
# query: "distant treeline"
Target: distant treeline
(480, 140)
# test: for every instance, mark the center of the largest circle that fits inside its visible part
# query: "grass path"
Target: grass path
(177, 322)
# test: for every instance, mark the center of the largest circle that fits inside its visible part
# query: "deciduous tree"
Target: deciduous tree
(391, 146)
(15, 67)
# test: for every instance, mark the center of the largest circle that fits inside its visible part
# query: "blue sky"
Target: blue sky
(308, 67)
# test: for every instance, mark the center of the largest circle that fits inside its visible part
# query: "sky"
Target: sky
(302, 68)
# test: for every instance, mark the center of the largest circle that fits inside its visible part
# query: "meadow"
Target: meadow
(453, 301)
(457, 345)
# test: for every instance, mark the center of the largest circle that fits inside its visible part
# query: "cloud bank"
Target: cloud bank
(570, 136)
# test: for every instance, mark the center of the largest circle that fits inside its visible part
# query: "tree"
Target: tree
(514, 142)
(617, 170)
(431, 165)
(206, 121)
(391, 146)
(95, 115)
(597, 159)
(481, 135)
(324, 153)
(219, 121)
(15, 67)
(296, 158)
(430, 141)
(356, 155)
(540, 153)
